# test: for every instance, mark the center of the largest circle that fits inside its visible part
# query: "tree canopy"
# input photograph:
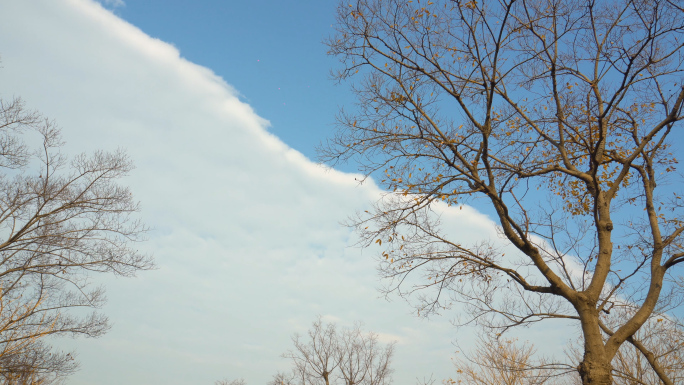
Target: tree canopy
(561, 115)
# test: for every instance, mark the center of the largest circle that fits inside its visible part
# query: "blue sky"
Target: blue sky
(275, 46)
(245, 226)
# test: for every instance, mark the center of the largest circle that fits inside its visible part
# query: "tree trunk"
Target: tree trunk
(595, 371)
(596, 367)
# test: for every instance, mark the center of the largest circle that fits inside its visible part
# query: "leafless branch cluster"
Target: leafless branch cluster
(331, 356)
(560, 116)
(239, 381)
(61, 219)
(498, 360)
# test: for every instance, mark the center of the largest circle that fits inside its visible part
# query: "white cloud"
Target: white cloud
(246, 230)
(386, 338)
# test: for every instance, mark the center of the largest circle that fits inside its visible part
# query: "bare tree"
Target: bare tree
(559, 115)
(286, 379)
(315, 357)
(361, 358)
(495, 360)
(349, 357)
(60, 221)
(238, 381)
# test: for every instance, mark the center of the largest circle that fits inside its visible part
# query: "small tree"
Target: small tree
(362, 359)
(348, 357)
(286, 379)
(497, 360)
(559, 115)
(238, 381)
(60, 221)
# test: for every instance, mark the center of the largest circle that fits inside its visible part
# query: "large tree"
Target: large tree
(61, 220)
(559, 114)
